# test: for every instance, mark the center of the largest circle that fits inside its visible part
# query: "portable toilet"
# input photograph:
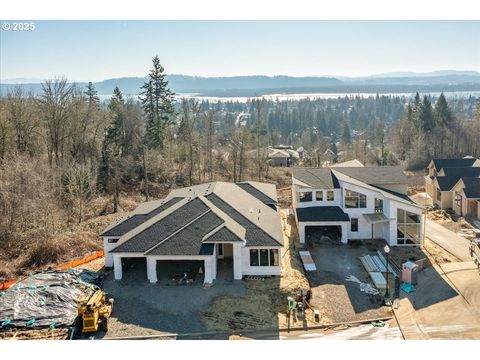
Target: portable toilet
(409, 272)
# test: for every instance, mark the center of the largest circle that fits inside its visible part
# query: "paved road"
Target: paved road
(447, 239)
(445, 304)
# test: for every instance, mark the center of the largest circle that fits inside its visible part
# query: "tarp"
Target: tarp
(46, 299)
(67, 266)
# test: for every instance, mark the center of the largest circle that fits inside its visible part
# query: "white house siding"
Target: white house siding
(337, 197)
(260, 270)
(106, 249)
(364, 227)
(385, 230)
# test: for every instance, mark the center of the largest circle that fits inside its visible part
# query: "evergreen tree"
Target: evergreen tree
(346, 133)
(116, 130)
(157, 102)
(443, 113)
(426, 118)
(92, 97)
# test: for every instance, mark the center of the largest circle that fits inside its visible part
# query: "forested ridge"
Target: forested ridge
(66, 157)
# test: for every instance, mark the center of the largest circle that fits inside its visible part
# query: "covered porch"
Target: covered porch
(226, 257)
(379, 225)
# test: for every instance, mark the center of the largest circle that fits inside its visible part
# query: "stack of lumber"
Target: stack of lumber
(376, 267)
(307, 261)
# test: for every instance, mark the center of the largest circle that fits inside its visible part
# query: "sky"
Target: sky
(98, 50)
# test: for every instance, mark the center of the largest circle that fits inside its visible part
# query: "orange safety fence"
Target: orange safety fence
(72, 264)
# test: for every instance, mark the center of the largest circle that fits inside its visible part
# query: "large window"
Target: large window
(305, 196)
(264, 257)
(378, 205)
(353, 224)
(354, 199)
(330, 195)
(319, 195)
(408, 227)
(274, 257)
(254, 261)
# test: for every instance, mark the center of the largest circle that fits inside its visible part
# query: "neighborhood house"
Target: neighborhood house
(355, 203)
(204, 223)
(455, 184)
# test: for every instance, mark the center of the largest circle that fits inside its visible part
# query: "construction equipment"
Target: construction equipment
(94, 311)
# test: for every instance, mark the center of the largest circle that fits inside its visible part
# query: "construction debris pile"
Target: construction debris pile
(365, 287)
(46, 300)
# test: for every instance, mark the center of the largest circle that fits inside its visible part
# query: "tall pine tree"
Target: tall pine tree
(158, 105)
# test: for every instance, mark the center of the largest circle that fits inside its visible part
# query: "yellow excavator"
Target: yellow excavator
(93, 312)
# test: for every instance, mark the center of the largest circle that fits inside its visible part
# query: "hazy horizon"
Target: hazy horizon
(99, 50)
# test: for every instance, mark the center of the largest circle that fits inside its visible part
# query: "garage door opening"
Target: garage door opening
(328, 234)
(178, 272)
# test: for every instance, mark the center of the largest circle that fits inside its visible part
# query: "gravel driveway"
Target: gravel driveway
(338, 299)
(142, 308)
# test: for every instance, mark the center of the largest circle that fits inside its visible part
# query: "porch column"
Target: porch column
(117, 267)
(208, 276)
(344, 233)
(152, 270)
(301, 231)
(237, 261)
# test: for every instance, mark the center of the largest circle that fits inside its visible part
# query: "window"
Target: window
(220, 249)
(408, 227)
(354, 199)
(458, 199)
(264, 257)
(354, 224)
(378, 205)
(254, 257)
(330, 196)
(439, 195)
(305, 196)
(274, 260)
(319, 195)
(112, 241)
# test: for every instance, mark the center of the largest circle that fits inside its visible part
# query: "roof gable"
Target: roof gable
(376, 175)
(137, 219)
(450, 176)
(318, 178)
(459, 162)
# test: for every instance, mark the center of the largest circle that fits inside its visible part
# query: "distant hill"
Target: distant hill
(445, 80)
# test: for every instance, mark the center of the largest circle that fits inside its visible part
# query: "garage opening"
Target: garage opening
(323, 234)
(134, 269)
(180, 272)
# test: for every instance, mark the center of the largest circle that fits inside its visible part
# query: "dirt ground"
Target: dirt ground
(337, 299)
(265, 302)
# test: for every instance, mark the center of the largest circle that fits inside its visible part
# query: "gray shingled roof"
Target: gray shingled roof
(375, 175)
(133, 221)
(321, 213)
(320, 178)
(188, 241)
(165, 227)
(472, 187)
(443, 163)
(188, 225)
(256, 193)
(253, 235)
(222, 235)
(453, 174)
